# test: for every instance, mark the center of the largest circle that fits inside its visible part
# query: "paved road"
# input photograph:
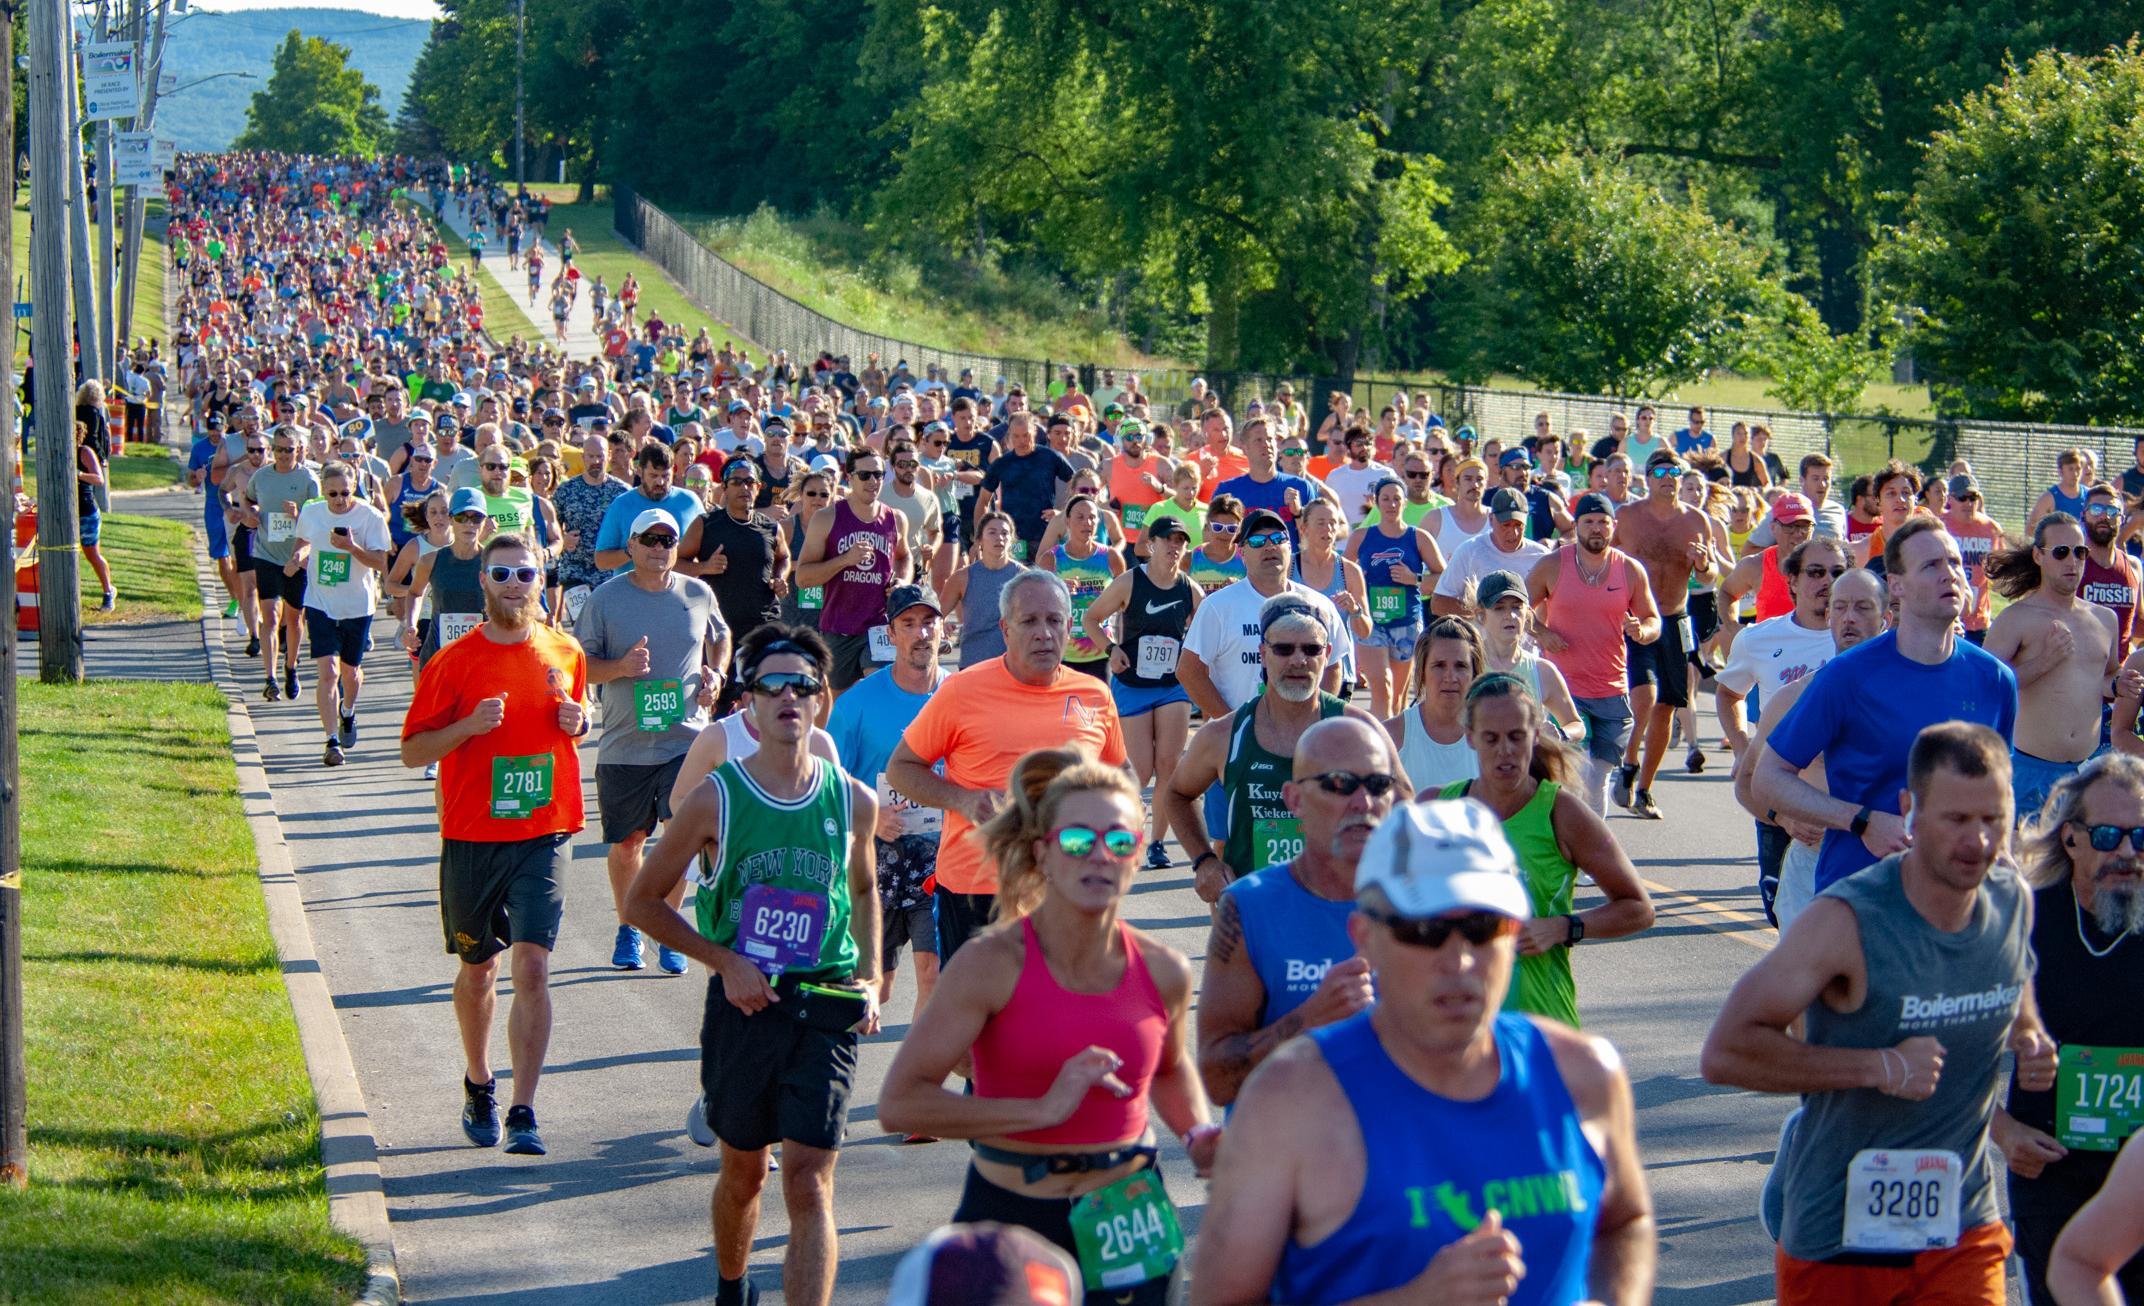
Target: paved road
(618, 1212)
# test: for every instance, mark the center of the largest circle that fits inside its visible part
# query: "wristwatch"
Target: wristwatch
(1578, 931)
(1860, 824)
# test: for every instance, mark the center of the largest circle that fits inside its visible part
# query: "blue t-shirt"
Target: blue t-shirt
(867, 724)
(197, 460)
(1863, 710)
(682, 505)
(1686, 444)
(1272, 495)
(1026, 487)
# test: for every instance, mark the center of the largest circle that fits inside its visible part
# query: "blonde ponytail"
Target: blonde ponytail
(1038, 787)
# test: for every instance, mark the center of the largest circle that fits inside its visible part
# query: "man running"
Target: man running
(500, 712)
(2086, 863)
(1860, 708)
(1672, 540)
(1221, 660)
(2110, 573)
(2064, 650)
(1761, 571)
(1595, 606)
(342, 548)
(1279, 960)
(1433, 1148)
(788, 929)
(984, 718)
(658, 649)
(857, 550)
(1911, 979)
(654, 488)
(581, 504)
(1503, 547)
(273, 496)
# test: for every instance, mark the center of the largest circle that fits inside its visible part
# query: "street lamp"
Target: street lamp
(187, 86)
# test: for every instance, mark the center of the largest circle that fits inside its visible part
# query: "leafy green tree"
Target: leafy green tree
(2020, 265)
(1812, 367)
(1588, 279)
(315, 103)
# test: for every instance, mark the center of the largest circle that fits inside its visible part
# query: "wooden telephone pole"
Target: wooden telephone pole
(57, 245)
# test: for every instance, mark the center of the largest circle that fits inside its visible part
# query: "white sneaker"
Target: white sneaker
(431, 770)
(696, 1127)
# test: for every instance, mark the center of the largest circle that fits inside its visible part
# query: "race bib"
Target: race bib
(454, 625)
(1388, 604)
(915, 818)
(334, 568)
(2099, 1097)
(1903, 1201)
(1019, 550)
(881, 638)
(781, 928)
(1157, 657)
(1127, 1233)
(658, 705)
(576, 599)
(1134, 516)
(812, 597)
(1274, 840)
(520, 786)
(277, 527)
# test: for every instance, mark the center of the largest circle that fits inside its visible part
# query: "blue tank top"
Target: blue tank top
(1435, 1167)
(1392, 603)
(2073, 504)
(1293, 935)
(398, 529)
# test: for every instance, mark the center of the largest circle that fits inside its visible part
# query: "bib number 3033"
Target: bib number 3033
(1901, 1201)
(781, 928)
(520, 786)
(1127, 1233)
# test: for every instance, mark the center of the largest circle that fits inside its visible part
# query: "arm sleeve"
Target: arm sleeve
(435, 702)
(1453, 583)
(1204, 635)
(611, 533)
(1810, 724)
(991, 479)
(2006, 702)
(589, 629)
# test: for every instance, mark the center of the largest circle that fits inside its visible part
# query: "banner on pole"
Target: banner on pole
(111, 83)
(166, 153)
(167, 83)
(134, 159)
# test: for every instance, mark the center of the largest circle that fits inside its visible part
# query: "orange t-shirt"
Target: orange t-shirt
(534, 677)
(1975, 541)
(1216, 468)
(980, 722)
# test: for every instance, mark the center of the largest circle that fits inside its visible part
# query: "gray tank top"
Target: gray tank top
(980, 638)
(1961, 989)
(454, 587)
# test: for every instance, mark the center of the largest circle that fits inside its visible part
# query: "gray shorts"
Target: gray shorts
(632, 798)
(852, 659)
(915, 927)
(1607, 726)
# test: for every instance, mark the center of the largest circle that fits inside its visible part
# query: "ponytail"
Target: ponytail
(1039, 784)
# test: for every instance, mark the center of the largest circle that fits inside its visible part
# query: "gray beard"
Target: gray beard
(1293, 694)
(2118, 911)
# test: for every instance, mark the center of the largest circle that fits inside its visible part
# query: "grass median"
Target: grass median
(174, 1142)
(152, 567)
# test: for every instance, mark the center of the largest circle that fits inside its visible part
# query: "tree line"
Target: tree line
(1614, 196)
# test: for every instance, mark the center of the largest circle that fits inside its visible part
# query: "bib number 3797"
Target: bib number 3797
(1127, 1233)
(1901, 1201)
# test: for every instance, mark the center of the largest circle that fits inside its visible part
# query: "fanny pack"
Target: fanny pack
(1035, 1167)
(818, 1006)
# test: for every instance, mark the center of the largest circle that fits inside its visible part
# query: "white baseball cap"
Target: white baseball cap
(1427, 859)
(648, 520)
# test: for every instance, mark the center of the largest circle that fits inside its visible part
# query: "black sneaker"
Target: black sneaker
(480, 1113)
(1157, 857)
(290, 682)
(333, 755)
(1626, 776)
(1695, 762)
(521, 1136)
(269, 690)
(253, 646)
(348, 733)
(1643, 805)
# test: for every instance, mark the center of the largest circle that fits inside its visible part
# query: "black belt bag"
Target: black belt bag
(1035, 1167)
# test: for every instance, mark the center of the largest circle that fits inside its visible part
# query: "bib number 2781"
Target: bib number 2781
(520, 786)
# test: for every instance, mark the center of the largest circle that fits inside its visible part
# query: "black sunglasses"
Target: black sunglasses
(659, 540)
(862, 475)
(772, 683)
(1290, 649)
(1345, 783)
(1833, 572)
(1476, 927)
(2107, 838)
(2061, 551)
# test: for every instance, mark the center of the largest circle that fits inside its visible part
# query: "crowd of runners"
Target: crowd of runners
(879, 663)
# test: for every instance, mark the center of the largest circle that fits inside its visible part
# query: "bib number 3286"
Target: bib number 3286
(520, 786)
(1127, 1233)
(1901, 1201)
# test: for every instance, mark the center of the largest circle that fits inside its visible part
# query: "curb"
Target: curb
(349, 1148)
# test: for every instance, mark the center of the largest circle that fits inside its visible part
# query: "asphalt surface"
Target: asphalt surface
(618, 1211)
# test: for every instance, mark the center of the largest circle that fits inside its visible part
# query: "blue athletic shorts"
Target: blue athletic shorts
(1132, 700)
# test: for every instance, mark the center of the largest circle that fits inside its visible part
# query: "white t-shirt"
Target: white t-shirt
(1772, 655)
(356, 592)
(1480, 556)
(1353, 484)
(1224, 633)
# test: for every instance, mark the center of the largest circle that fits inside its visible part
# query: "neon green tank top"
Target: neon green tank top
(800, 847)
(1540, 986)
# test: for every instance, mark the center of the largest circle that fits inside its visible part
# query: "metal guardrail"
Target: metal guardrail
(2014, 461)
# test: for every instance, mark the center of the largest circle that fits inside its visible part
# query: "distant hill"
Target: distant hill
(211, 115)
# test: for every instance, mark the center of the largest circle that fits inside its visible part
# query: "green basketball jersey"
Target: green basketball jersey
(800, 846)
(1261, 830)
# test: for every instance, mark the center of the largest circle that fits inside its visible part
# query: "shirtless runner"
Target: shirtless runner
(1672, 540)
(2064, 649)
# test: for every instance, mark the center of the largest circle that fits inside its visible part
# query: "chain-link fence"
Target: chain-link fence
(2013, 461)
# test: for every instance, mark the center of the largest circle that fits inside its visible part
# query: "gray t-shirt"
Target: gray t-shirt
(270, 489)
(679, 622)
(1962, 989)
(389, 436)
(456, 468)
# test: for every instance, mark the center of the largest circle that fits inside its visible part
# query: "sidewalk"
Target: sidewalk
(581, 339)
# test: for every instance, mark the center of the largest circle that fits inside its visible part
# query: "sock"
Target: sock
(730, 1292)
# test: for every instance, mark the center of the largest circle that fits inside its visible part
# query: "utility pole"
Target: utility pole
(82, 276)
(14, 1117)
(56, 245)
(106, 319)
(153, 76)
(521, 132)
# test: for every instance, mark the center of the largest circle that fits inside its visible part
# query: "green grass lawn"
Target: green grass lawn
(145, 467)
(152, 567)
(148, 295)
(174, 1142)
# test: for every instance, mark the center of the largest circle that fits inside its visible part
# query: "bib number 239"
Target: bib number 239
(1279, 840)
(520, 786)
(1127, 1233)
(1901, 1201)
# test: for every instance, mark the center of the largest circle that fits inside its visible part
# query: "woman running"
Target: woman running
(1397, 560)
(88, 481)
(431, 529)
(1322, 567)
(1216, 563)
(1156, 599)
(1526, 779)
(1507, 621)
(1086, 566)
(1432, 734)
(802, 604)
(1075, 1023)
(972, 590)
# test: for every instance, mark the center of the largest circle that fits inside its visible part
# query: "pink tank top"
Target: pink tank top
(1774, 599)
(1022, 1048)
(1590, 619)
(856, 598)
